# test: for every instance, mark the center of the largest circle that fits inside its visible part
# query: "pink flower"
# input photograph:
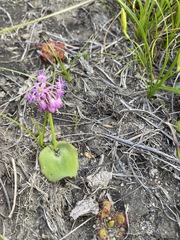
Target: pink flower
(60, 86)
(47, 97)
(41, 76)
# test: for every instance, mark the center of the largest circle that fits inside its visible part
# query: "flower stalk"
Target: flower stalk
(52, 131)
(41, 137)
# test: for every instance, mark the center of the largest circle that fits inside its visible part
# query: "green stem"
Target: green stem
(41, 137)
(52, 130)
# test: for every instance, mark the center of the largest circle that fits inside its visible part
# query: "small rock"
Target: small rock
(84, 207)
(100, 179)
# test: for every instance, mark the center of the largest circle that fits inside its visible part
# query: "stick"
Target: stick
(141, 146)
(15, 188)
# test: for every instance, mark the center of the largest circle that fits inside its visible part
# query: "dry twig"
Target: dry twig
(15, 188)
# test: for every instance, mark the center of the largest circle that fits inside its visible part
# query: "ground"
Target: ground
(107, 116)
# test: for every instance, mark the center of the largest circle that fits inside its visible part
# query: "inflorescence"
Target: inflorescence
(47, 96)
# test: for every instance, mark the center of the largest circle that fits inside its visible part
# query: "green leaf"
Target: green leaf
(58, 165)
(178, 62)
(124, 22)
(170, 89)
(177, 126)
(177, 86)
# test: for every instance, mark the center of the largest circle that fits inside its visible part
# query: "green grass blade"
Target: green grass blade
(170, 89)
(142, 32)
(44, 18)
(20, 125)
(14, 71)
(170, 73)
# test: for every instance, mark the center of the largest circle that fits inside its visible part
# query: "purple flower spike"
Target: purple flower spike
(41, 76)
(60, 86)
(47, 97)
